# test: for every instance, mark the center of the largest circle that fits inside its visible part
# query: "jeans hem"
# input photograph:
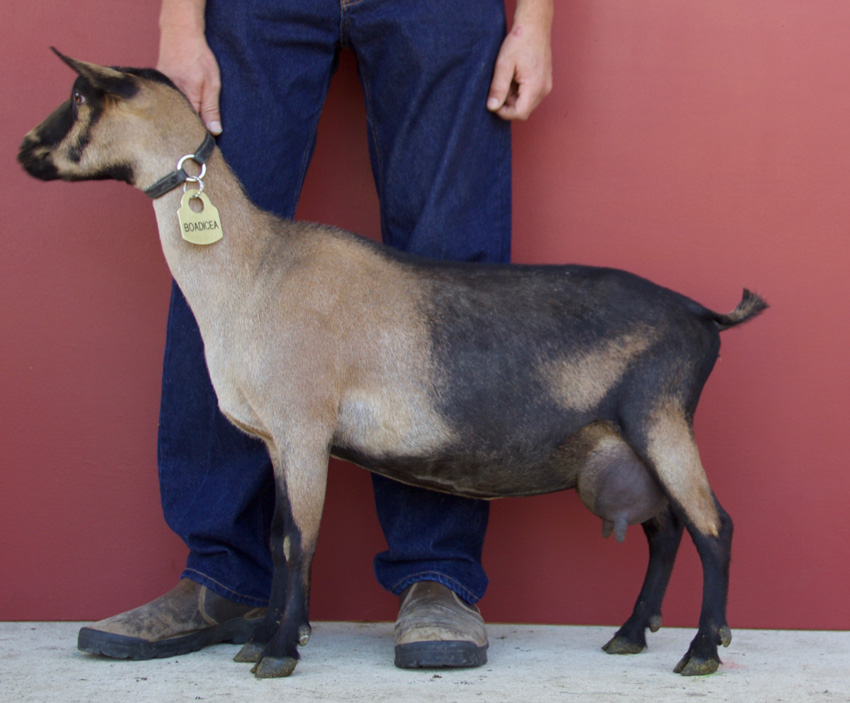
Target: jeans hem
(221, 589)
(439, 577)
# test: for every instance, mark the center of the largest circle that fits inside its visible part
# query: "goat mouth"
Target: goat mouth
(38, 165)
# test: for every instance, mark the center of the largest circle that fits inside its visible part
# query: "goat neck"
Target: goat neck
(213, 276)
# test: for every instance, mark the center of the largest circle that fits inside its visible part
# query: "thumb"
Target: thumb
(209, 110)
(500, 86)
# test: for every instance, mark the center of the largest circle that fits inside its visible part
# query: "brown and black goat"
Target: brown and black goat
(480, 380)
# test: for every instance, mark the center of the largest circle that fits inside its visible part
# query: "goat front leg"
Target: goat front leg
(294, 529)
(664, 535)
(281, 540)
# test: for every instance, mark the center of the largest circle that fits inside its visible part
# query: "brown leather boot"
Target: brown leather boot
(186, 619)
(436, 629)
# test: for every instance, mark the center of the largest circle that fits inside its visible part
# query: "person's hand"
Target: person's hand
(522, 76)
(186, 58)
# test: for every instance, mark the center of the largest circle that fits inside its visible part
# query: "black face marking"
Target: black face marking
(39, 167)
(93, 100)
(34, 154)
(86, 102)
(116, 172)
(56, 127)
(75, 153)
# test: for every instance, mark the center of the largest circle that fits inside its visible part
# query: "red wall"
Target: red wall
(704, 145)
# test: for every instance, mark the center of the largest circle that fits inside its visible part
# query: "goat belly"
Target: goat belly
(466, 475)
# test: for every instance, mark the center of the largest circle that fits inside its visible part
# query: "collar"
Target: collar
(178, 176)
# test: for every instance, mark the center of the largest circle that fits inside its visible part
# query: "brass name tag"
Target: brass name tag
(202, 227)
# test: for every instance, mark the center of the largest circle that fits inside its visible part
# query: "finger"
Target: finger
(500, 85)
(529, 95)
(518, 106)
(209, 107)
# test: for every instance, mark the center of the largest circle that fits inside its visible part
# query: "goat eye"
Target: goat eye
(78, 98)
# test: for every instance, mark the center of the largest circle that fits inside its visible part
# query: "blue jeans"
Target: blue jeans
(442, 169)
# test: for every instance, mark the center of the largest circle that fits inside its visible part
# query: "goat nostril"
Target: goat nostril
(29, 143)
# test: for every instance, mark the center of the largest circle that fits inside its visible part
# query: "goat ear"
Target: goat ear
(107, 79)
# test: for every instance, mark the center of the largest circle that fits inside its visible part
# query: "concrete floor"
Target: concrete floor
(352, 662)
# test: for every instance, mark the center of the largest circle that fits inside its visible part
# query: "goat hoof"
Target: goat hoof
(623, 645)
(250, 653)
(725, 636)
(304, 633)
(696, 666)
(655, 623)
(274, 667)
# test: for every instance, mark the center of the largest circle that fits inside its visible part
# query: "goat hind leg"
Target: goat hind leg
(715, 554)
(664, 534)
(665, 441)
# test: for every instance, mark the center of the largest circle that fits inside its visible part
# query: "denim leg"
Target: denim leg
(216, 482)
(443, 171)
(444, 191)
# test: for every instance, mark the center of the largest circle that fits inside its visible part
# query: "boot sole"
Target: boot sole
(439, 655)
(108, 644)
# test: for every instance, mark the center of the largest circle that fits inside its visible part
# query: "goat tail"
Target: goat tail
(751, 305)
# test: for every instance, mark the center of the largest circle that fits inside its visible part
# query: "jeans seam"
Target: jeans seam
(376, 140)
(344, 19)
(307, 155)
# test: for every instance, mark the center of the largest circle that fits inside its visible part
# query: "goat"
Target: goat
(480, 380)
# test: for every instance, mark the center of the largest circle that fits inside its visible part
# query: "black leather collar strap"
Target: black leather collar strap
(178, 176)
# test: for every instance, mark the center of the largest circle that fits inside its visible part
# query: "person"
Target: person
(442, 81)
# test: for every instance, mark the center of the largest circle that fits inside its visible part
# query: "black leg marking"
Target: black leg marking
(274, 648)
(253, 650)
(715, 554)
(664, 534)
